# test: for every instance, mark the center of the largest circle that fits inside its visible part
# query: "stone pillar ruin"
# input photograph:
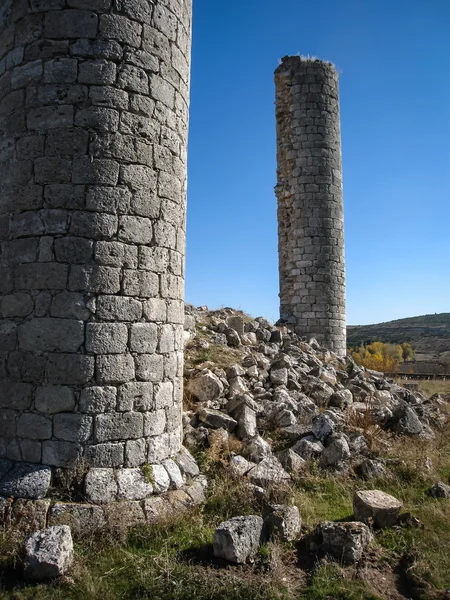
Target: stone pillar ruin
(310, 207)
(94, 101)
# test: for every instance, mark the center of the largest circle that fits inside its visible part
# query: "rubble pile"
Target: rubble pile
(276, 386)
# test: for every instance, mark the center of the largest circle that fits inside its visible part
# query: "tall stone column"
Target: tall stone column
(93, 131)
(310, 207)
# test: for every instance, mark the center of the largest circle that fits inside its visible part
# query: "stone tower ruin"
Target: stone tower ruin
(310, 207)
(94, 115)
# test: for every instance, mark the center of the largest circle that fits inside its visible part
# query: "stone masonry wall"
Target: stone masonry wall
(93, 131)
(310, 207)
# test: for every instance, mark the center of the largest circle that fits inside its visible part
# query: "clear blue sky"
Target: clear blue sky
(394, 60)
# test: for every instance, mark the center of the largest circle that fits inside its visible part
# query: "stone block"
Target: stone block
(26, 480)
(74, 250)
(67, 24)
(133, 485)
(83, 519)
(69, 369)
(154, 423)
(140, 283)
(70, 305)
(100, 486)
(118, 426)
(120, 28)
(61, 70)
(95, 172)
(124, 514)
(376, 508)
(137, 230)
(149, 367)
(164, 394)
(105, 455)
(51, 399)
(137, 396)
(8, 423)
(135, 453)
(114, 369)
(116, 254)
(238, 539)
(34, 426)
(143, 338)
(98, 399)
(97, 72)
(95, 279)
(106, 338)
(51, 335)
(118, 308)
(72, 427)
(155, 310)
(50, 117)
(41, 276)
(93, 225)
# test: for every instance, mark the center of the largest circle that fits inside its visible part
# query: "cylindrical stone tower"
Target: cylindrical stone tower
(310, 208)
(94, 116)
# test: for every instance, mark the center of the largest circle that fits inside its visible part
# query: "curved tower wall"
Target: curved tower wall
(310, 207)
(93, 132)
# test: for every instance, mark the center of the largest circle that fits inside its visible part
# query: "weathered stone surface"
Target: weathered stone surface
(82, 519)
(376, 507)
(26, 481)
(283, 522)
(345, 542)
(268, 472)
(48, 553)
(336, 451)
(370, 468)
(308, 447)
(310, 244)
(92, 225)
(206, 386)
(100, 486)
(217, 419)
(440, 490)
(133, 485)
(237, 540)
(239, 466)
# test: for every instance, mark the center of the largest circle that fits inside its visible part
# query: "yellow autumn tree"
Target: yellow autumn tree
(378, 356)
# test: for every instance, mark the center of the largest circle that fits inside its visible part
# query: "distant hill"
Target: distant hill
(429, 335)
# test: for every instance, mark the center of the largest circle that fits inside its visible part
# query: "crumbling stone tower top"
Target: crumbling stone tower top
(310, 207)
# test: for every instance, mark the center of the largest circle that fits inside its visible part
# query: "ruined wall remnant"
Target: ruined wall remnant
(93, 131)
(310, 208)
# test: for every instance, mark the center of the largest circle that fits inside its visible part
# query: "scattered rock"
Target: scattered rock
(308, 447)
(48, 553)
(291, 461)
(217, 419)
(376, 508)
(268, 472)
(336, 451)
(440, 490)
(370, 469)
(239, 466)
(345, 542)
(283, 522)
(237, 540)
(205, 386)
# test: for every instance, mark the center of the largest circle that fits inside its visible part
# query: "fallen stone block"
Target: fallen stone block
(376, 507)
(283, 522)
(345, 542)
(237, 540)
(48, 553)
